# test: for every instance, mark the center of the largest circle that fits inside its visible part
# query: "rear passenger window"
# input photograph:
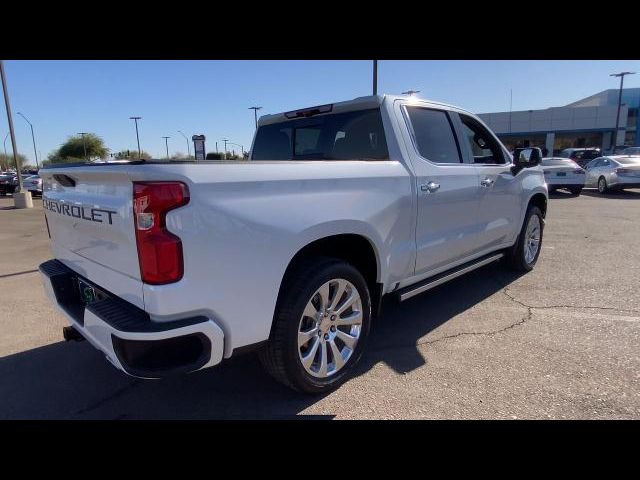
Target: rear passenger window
(433, 133)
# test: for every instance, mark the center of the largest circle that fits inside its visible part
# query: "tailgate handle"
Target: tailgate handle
(64, 180)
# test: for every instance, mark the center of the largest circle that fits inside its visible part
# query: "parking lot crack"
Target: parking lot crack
(577, 307)
(117, 394)
(520, 322)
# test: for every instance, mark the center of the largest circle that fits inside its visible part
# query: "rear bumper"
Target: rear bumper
(564, 182)
(564, 185)
(131, 341)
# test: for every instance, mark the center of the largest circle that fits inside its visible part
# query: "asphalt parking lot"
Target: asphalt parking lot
(561, 342)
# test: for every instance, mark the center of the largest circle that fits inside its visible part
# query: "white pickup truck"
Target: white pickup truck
(173, 267)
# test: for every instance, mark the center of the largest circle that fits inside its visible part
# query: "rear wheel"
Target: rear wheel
(321, 326)
(524, 254)
(602, 185)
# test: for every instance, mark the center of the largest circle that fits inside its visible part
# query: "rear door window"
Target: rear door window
(433, 134)
(357, 135)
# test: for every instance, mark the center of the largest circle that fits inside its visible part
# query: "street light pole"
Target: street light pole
(255, 114)
(135, 119)
(225, 147)
(614, 140)
(166, 142)
(188, 147)
(84, 144)
(21, 199)
(375, 77)
(32, 138)
(238, 145)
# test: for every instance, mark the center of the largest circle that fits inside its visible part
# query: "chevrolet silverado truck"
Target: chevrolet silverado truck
(170, 268)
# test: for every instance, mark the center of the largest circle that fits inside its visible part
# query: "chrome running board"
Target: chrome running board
(429, 283)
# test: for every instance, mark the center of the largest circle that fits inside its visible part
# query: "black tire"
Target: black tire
(280, 356)
(602, 185)
(576, 191)
(515, 256)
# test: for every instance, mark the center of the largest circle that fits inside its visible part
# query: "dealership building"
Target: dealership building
(590, 122)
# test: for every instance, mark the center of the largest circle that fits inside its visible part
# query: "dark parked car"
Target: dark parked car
(6, 184)
(581, 156)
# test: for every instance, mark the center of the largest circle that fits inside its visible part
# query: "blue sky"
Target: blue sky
(62, 98)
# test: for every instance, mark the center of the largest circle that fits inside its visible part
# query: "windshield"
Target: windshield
(355, 135)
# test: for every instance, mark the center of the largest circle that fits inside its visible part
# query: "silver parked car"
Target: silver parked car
(563, 173)
(33, 184)
(613, 173)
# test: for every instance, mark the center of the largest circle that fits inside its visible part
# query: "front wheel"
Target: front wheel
(524, 254)
(320, 327)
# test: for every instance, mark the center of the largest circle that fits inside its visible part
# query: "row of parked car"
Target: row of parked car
(578, 168)
(9, 183)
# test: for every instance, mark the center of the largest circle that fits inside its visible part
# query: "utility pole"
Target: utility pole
(188, 147)
(375, 77)
(255, 114)
(225, 147)
(614, 140)
(6, 157)
(21, 199)
(166, 142)
(135, 119)
(84, 144)
(32, 138)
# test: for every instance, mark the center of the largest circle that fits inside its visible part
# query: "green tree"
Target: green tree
(6, 161)
(73, 150)
(131, 155)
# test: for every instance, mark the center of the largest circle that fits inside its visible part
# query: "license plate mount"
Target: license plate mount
(88, 293)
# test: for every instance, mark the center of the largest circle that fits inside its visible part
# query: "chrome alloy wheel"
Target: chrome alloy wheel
(329, 328)
(532, 239)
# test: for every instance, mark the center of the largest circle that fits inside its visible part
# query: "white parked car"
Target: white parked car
(171, 268)
(562, 173)
(33, 184)
(613, 173)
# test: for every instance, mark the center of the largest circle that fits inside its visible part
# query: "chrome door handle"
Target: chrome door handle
(430, 187)
(487, 182)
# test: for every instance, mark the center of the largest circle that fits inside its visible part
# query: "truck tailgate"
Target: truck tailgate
(89, 212)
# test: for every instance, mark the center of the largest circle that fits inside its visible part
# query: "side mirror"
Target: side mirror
(526, 157)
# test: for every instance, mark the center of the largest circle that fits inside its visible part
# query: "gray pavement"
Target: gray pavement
(560, 342)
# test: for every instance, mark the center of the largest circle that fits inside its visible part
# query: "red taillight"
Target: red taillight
(159, 251)
(623, 171)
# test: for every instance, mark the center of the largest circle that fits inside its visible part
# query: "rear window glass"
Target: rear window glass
(585, 154)
(355, 135)
(628, 161)
(554, 162)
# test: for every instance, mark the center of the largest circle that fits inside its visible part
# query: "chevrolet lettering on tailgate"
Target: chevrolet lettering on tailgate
(99, 215)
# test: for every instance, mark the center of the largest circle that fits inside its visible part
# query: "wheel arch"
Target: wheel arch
(354, 248)
(539, 200)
